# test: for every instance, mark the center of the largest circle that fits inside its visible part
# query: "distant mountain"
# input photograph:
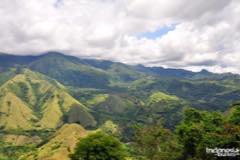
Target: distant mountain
(207, 94)
(72, 71)
(202, 89)
(181, 73)
(48, 101)
(165, 72)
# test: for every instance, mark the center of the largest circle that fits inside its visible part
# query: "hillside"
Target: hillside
(127, 110)
(70, 71)
(49, 101)
(207, 94)
(119, 89)
(61, 144)
(33, 101)
(164, 108)
(199, 88)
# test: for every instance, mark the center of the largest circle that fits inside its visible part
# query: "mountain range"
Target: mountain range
(46, 99)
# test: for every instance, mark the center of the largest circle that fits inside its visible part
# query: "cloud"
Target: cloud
(205, 34)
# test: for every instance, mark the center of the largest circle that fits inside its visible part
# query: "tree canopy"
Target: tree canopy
(99, 146)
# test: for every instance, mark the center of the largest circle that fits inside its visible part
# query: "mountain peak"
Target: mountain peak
(204, 71)
(52, 53)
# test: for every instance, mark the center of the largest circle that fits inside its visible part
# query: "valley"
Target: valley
(48, 102)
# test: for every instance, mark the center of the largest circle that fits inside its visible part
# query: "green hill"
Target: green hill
(61, 144)
(204, 94)
(70, 71)
(114, 107)
(33, 101)
(160, 97)
(42, 97)
(164, 107)
(123, 84)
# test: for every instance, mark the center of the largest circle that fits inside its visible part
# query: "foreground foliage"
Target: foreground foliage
(99, 146)
(156, 143)
(198, 130)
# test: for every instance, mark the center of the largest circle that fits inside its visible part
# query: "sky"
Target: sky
(185, 34)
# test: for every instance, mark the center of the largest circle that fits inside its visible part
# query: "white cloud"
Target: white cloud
(207, 33)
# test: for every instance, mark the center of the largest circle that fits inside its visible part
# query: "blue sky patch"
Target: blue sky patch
(157, 33)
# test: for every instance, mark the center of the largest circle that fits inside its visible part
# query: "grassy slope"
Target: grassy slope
(99, 98)
(31, 100)
(165, 107)
(60, 145)
(114, 107)
(14, 113)
(204, 94)
(122, 74)
(204, 91)
(160, 96)
(20, 140)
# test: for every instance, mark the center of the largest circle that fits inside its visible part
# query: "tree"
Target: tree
(234, 116)
(201, 129)
(110, 128)
(190, 135)
(227, 138)
(99, 146)
(156, 143)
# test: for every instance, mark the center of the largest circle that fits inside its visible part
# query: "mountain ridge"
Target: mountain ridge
(96, 63)
(42, 97)
(114, 77)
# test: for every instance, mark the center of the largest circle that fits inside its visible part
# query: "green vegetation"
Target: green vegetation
(156, 143)
(161, 97)
(97, 99)
(110, 128)
(59, 145)
(69, 71)
(201, 129)
(204, 90)
(5, 76)
(198, 130)
(161, 107)
(12, 152)
(234, 115)
(77, 115)
(99, 146)
(41, 118)
(33, 101)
